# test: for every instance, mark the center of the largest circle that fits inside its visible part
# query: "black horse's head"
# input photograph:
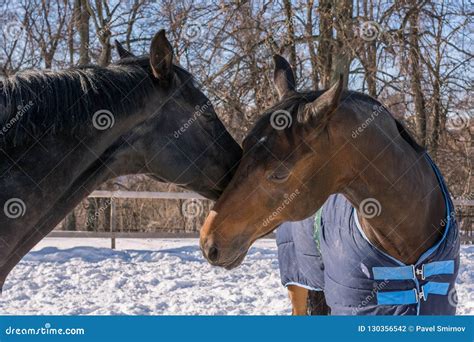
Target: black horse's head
(140, 115)
(63, 133)
(183, 141)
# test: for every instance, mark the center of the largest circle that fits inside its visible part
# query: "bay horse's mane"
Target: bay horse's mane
(34, 103)
(294, 103)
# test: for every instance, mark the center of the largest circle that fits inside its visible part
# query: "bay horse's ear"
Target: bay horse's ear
(161, 56)
(320, 110)
(123, 52)
(283, 77)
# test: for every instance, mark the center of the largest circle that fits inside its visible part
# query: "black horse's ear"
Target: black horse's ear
(320, 110)
(283, 77)
(161, 57)
(123, 53)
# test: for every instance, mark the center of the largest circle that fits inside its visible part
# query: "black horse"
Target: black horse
(64, 133)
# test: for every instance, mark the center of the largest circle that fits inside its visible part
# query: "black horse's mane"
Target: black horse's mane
(34, 103)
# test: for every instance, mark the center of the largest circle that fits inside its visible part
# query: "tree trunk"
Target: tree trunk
(70, 40)
(106, 52)
(414, 53)
(341, 55)
(325, 42)
(291, 34)
(48, 60)
(131, 22)
(91, 217)
(81, 14)
(310, 42)
(438, 114)
(370, 54)
(70, 222)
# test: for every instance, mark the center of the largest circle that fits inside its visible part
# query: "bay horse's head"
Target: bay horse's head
(183, 141)
(281, 153)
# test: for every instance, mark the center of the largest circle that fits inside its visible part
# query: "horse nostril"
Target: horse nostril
(212, 254)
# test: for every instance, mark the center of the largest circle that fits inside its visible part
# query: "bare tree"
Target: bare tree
(46, 27)
(418, 63)
(416, 79)
(81, 20)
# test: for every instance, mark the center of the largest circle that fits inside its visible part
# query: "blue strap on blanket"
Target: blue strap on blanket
(397, 297)
(409, 272)
(433, 287)
(393, 273)
(412, 296)
(438, 267)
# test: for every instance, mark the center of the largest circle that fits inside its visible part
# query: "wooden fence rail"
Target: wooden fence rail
(113, 234)
(145, 195)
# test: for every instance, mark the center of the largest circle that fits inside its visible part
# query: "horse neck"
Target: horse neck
(55, 174)
(401, 183)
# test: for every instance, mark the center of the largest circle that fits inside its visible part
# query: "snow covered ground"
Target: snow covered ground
(166, 276)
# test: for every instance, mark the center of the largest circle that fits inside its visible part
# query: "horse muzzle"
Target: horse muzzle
(228, 258)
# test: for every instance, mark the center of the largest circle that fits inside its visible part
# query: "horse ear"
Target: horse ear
(161, 56)
(320, 110)
(283, 77)
(123, 52)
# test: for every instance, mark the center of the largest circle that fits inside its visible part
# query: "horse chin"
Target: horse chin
(236, 262)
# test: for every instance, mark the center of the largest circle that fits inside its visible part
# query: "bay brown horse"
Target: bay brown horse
(311, 145)
(63, 133)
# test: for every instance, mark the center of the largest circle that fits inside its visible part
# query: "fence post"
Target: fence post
(112, 223)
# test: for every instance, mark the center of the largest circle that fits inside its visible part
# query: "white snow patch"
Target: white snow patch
(157, 276)
(465, 282)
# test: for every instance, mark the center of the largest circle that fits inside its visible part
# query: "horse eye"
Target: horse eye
(279, 176)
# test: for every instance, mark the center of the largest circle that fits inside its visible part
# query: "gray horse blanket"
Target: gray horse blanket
(329, 251)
